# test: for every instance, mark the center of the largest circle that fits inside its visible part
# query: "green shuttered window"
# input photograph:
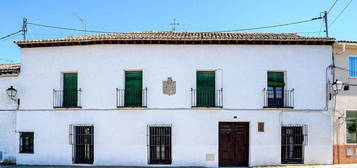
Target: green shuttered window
(70, 89)
(276, 79)
(205, 88)
(133, 88)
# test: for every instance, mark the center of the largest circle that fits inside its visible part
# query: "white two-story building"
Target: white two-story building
(169, 98)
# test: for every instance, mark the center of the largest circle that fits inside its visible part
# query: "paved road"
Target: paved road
(285, 166)
(312, 166)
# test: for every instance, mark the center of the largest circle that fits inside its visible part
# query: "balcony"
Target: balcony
(207, 98)
(131, 98)
(278, 98)
(67, 98)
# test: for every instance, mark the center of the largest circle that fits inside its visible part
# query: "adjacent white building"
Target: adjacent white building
(170, 98)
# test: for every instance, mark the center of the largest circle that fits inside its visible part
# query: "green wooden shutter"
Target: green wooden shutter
(70, 89)
(133, 88)
(205, 88)
(276, 79)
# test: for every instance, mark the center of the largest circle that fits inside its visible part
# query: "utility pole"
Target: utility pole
(24, 28)
(326, 23)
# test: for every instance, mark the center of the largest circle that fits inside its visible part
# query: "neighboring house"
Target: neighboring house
(173, 98)
(8, 77)
(345, 118)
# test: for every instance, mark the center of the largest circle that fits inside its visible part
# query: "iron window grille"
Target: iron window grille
(67, 98)
(26, 142)
(131, 98)
(207, 98)
(274, 98)
(294, 138)
(159, 144)
(82, 141)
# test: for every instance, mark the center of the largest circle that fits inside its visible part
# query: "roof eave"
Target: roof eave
(32, 44)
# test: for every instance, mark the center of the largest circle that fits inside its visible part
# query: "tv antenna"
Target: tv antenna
(84, 23)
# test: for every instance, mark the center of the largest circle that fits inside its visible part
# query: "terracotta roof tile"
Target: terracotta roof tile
(175, 36)
(9, 69)
(346, 41)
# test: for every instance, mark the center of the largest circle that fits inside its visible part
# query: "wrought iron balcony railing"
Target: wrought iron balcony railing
(67, 98)
(131, 97)
(207, 98)
(278, 98)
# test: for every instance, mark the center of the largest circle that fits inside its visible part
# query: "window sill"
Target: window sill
(206, 108)
(275, 108)
(68, 108)
(351, 144)
(132, 108)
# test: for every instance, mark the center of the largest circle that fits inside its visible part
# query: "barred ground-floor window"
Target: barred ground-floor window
(82, 140)
(26, 142)
(293, 142)
(159, 144)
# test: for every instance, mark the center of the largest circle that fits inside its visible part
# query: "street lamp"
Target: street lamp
(337, 85)
(12, 92)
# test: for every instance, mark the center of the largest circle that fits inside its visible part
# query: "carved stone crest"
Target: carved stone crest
(169, 86)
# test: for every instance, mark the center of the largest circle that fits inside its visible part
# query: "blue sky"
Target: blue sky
(193, 15)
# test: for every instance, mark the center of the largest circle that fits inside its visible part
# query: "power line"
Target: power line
(311, 32)
(333, 5)
(272, 26)
(45, 34)
(9, 35)
(7, 60)
(66, 28)
(343, 10)
(322, 24)
(7, 39)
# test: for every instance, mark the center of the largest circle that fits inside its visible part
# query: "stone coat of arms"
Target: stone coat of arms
(169, 86)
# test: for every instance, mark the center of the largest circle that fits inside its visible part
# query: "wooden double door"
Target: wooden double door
(233, 144)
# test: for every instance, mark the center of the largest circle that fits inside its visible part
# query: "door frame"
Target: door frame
(249, 141)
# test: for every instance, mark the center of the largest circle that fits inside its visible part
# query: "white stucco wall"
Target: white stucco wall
(7, 119)
(101, 69)
(8, 136)
(120, 135)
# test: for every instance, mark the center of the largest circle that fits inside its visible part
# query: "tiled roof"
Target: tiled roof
(173, 37)
(346, 41)
(9, 69)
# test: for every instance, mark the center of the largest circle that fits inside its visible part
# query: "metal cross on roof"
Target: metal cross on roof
(174, 24)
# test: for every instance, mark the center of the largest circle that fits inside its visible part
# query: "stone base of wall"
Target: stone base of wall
(345, 154)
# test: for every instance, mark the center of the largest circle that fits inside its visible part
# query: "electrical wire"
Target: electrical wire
(9, 35)
(6, 40)
(66, 28)
(44, 34)
(272, 26)
(312, 32)
(343, 10)
(333, 5)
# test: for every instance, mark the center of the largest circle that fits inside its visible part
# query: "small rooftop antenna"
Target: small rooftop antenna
(84, 23)
(174, 24)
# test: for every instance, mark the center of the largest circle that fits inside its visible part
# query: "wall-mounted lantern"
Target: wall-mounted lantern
(12, 92)
(337, 85)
